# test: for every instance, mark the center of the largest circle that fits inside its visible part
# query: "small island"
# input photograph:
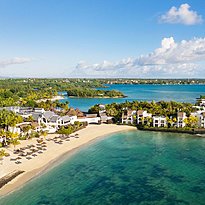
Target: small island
(92, 93)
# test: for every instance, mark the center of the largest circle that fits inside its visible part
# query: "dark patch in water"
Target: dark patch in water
(176, 179)
(198, 189)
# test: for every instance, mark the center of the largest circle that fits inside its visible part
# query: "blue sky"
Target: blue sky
(102, 38)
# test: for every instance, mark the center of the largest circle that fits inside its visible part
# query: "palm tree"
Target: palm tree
(15, 142)
(169, 121)
(8, 118)
(13, 138)
(191, 121)
(44, 134)
(2, 133)
(26, 129)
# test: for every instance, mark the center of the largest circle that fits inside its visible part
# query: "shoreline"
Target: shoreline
(96, 97)
(54, 156)
(58, 97)
(196, 132)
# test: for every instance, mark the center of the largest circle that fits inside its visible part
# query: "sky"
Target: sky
(102, 38)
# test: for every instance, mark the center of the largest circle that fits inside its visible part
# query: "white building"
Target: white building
(202, 120)
(39, 110)
(102, 108)
(90, 119)
(14, 109)
(49, 118)
(142, 117)
(181, 116)
(128, 116)
(159, 121)
(201, 102)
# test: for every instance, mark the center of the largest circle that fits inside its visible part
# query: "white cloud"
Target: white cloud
(15, 60)
(182, 15)
(170, 59)
(173, 53)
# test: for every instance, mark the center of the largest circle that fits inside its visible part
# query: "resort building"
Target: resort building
(202, 120)
(201, 102)
(39, 110)
(103, 117)
(102, 108)
(50, 121)
(142, 117)
(89, 119)
(14, 109)
(128, 116)
(181, 116)
(49, 118)
(159, 121)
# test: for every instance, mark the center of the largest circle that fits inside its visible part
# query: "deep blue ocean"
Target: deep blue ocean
(181, 93)
(130, 168)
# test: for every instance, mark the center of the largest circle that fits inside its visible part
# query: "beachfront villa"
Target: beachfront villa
(49, 118)
(201, 102)
(128, 116)
(181, 116)
(159, 121)
(202, 120)
(89, 119)
(142, 117)
(53, 120)
(50, 121)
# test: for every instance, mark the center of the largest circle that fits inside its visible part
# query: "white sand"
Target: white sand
(58, 97)
(39, 163)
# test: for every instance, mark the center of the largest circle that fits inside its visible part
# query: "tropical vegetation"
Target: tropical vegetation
(161, 108)
(88, 92)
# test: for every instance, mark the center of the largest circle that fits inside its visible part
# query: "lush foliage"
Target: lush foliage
(166, 109)
(8, 118)
(34, 92)
(69, 129)
(87, 92)
(154, 81)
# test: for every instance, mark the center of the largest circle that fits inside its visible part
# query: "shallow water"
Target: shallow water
(181, 93)
(127, 168)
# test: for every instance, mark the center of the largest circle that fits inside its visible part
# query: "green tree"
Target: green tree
(44, 134)
(8, 118)
(15, 142)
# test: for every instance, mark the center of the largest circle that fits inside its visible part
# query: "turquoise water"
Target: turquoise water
(181, 93)
(132, 168)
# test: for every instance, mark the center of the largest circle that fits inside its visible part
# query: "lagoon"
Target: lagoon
(144, 92)
(133, 167)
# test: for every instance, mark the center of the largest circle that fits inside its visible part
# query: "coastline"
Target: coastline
(58, 97)
(104, 97)
(194, 131)
(54, 155)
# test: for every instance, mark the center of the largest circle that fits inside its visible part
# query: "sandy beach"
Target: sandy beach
(58, 97)
(54, 152)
